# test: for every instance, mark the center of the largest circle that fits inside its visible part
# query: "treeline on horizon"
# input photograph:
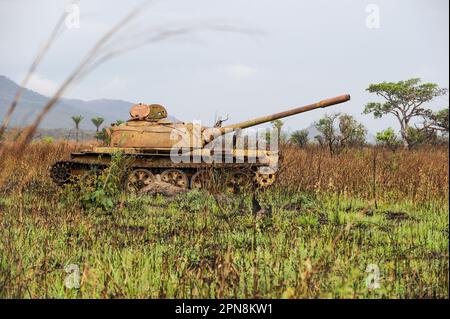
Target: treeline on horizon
(405, 100)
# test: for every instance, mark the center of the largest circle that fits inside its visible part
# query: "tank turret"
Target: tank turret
(149, 127)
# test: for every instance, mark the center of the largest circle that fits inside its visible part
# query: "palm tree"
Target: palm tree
(77, 119)
(97, 121)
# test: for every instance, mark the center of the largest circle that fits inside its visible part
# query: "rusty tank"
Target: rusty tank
(179, 153)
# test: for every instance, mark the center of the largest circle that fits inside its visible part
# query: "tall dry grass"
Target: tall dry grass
(31, 166)
(419, 175)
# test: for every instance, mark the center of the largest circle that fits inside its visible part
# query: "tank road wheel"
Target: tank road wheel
(60, 172)
(139, 179)
(175, 177)
(238, 181)
(200, 180)
(265, 177)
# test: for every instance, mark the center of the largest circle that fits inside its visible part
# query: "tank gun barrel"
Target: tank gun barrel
(298, 110)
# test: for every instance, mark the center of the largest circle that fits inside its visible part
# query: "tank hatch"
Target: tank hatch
(148, 112)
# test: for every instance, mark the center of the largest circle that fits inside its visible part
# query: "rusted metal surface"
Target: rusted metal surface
(152, 112)
(150, 134)
(294, 111)
(164, 161)
(148, 137)
(139, 111)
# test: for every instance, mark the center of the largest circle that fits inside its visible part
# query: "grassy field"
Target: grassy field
(328, 225)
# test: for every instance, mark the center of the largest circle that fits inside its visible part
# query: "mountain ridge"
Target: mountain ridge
(60, 117)
(31, 103)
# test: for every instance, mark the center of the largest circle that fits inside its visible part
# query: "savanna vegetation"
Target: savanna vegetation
(365, 223)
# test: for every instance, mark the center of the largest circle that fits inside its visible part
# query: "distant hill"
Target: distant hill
(60, 117)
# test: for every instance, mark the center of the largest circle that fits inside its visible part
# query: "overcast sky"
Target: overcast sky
(294, 53)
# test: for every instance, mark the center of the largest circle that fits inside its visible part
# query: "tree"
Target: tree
(326, 127)
(300, 138)
(420, 136)
(404, 100)
(433, 129)
(278, 125)
(352, 133)
(103, 136)
(438, 121)
(338, 131)
(77, 119)
(388, 138)
(97, 121)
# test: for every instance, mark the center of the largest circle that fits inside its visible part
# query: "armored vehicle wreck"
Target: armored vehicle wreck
(179, 153)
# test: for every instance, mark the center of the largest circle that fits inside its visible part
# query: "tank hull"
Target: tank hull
(158, 163)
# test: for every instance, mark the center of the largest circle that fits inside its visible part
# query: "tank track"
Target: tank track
(64, 172)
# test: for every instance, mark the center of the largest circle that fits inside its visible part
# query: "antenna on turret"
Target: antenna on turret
(220, 120)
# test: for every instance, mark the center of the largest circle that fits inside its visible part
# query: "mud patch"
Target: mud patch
(164, 189)
(293, 207)
(398, 216)
(139, 230)
(366, 212)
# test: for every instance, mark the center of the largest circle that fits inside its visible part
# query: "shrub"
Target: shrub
(48, 139)
(100, 190)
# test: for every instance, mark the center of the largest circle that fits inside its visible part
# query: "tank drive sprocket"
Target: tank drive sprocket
(60, 172)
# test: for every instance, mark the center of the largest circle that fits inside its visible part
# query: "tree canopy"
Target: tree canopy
(300, 138)
(405, 100)
(338, 131)
(97, 121)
